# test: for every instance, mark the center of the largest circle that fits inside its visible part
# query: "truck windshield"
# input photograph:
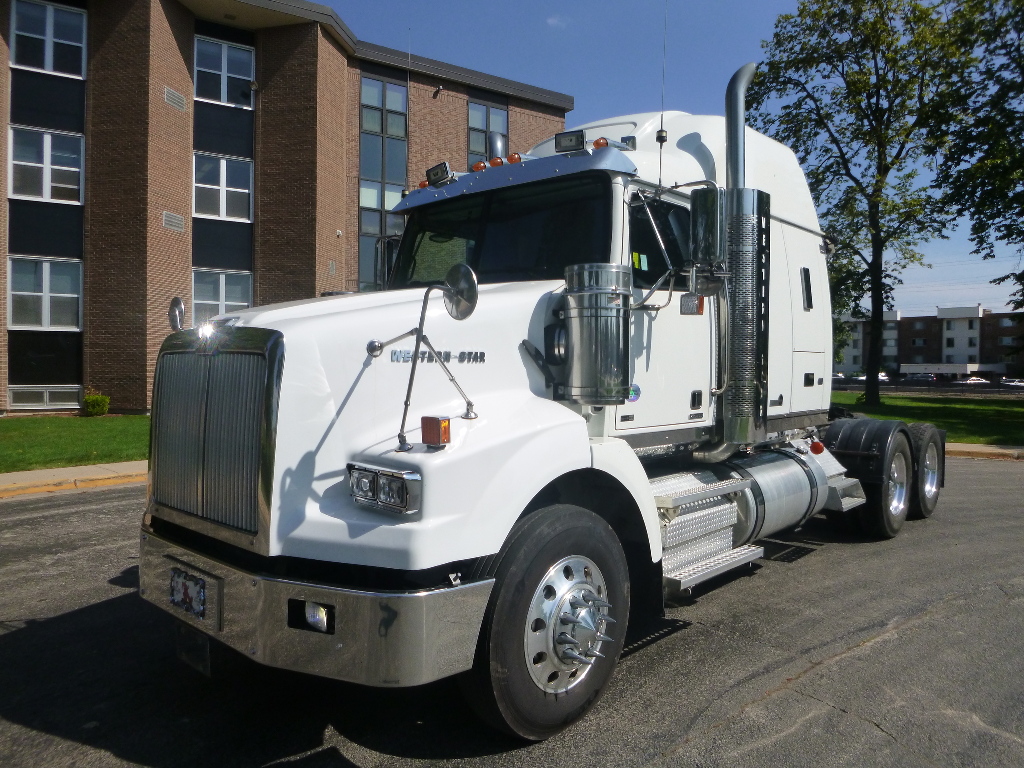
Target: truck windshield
(528, 232)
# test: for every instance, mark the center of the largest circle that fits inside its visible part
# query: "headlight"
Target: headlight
(388, 490)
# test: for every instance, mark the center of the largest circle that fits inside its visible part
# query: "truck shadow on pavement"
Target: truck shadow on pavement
(106, 677)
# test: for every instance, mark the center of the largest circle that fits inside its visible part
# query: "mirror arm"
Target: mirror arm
(470, 413)
(671, 287)
(403, 443)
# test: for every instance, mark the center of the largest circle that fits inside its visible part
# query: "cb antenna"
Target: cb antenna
(662, 134)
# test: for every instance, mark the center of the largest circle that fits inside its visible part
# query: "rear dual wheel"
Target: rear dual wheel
(554, 625)
(888, 502)
(928, 473)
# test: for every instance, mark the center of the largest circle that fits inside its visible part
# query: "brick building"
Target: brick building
(230, 152)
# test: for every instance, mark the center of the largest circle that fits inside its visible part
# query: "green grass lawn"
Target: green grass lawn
(38, 442)
(966, 420)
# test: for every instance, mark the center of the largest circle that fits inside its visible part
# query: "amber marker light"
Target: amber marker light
(600, 143)
(424, 184)
(479, 165)
(515, 157)
(817, 448)
(496, 161)
(437, 431)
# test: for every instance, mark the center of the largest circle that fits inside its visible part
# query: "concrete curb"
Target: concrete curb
(72, 478)
(966, 450)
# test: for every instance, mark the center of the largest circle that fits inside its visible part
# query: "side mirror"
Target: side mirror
(707, 226)
(460, 291)
(176, 314)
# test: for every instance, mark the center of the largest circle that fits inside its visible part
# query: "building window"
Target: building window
(223, 188)
(949, 358)
(918, 342)
(855, 343)
(46, 166)
(918, 325)
(854, 328)
(918, 358)
(45, 294)
(485, 119)
(1006, 322)
(1007, 341)
(856, 359)
(972, 358)
(970, 324)
(949, 342)
(949, 325)
(972, 341)
(48, 38)
(224, 73)
(889, 342)
(215, 293)
(44, 398)
(383, 174)
(891, 326)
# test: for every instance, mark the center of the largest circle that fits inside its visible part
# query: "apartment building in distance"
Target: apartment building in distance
(955, 341)
(229, 152)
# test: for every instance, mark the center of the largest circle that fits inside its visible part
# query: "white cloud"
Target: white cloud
(558, 22)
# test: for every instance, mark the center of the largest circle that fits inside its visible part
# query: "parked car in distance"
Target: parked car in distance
(920, 377)
(1013, 382)
(975, 380)
(882, 376)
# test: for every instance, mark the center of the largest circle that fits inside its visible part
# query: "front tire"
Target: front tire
(888, 502)
(554, 625)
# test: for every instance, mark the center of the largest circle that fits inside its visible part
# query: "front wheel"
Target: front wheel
(554, 625)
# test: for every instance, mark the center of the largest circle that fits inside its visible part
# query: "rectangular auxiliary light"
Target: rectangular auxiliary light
(437, 431)
(388, 490)
(570, 141)
(440, 174)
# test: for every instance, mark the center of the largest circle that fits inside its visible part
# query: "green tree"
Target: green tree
(979, 138)
(850, 86)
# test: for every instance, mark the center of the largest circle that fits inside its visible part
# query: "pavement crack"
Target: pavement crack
(844, 711)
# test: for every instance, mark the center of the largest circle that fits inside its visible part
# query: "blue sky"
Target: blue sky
(608, 56)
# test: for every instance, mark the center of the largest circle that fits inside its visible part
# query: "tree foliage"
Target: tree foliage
(850, 86)
(979, 138)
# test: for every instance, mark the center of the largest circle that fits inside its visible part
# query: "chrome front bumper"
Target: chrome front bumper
(388, 639)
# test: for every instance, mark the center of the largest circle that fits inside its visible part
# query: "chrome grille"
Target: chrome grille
(208, 413)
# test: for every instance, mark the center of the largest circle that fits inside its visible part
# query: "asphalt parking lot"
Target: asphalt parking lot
(834, 651)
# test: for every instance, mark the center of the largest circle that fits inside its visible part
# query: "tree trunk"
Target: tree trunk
(873, 356)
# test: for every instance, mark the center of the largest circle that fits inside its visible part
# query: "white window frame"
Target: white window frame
(222, 187)
(223, 71)
(48, 39)
(46, 326)
(47, 166)
(221, 303)
(47, 390)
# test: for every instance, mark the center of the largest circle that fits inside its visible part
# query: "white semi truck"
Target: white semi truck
(600, 374)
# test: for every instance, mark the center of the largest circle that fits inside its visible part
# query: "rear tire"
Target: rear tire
(927, 470)
(888, 502)
(561, 588)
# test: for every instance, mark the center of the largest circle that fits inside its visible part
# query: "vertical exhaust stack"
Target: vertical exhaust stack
(747, 213)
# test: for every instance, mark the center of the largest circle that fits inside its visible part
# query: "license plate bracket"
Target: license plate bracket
(188, 592)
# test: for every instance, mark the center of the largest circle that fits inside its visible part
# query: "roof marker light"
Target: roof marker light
(479, 165)
(424, 184)
(515, 157)
(496, 161)
(600, 143)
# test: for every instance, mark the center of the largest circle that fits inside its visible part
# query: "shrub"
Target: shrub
(94, 403)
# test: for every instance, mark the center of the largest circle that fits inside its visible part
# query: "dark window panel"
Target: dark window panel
(225, 33)
(396, 125)
(223, 130)
(45, 357)
(207, 85)
(29, 51)
(370, 156)
(41, 100)
(372, 120)
(44, 229)
(369, 222)
(367, 263)
(222, 244)
(395, 161)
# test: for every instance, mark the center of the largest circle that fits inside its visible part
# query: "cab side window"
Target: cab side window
(674, 226)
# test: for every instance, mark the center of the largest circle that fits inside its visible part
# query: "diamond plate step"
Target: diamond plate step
(713, 566)
(676, 490)
(844, 493)
(693, 524)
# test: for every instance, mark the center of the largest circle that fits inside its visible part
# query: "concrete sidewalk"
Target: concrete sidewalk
(72, 478)
(128, 472)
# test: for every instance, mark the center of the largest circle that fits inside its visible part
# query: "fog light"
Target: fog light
(316, 616)
(391, 491)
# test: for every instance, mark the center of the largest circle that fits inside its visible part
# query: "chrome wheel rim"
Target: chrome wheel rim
(930, 471)
(567, 624)
(897, 485)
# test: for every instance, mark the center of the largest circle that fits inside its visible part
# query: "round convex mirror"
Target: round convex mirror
(460, 291)
(176, 314)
